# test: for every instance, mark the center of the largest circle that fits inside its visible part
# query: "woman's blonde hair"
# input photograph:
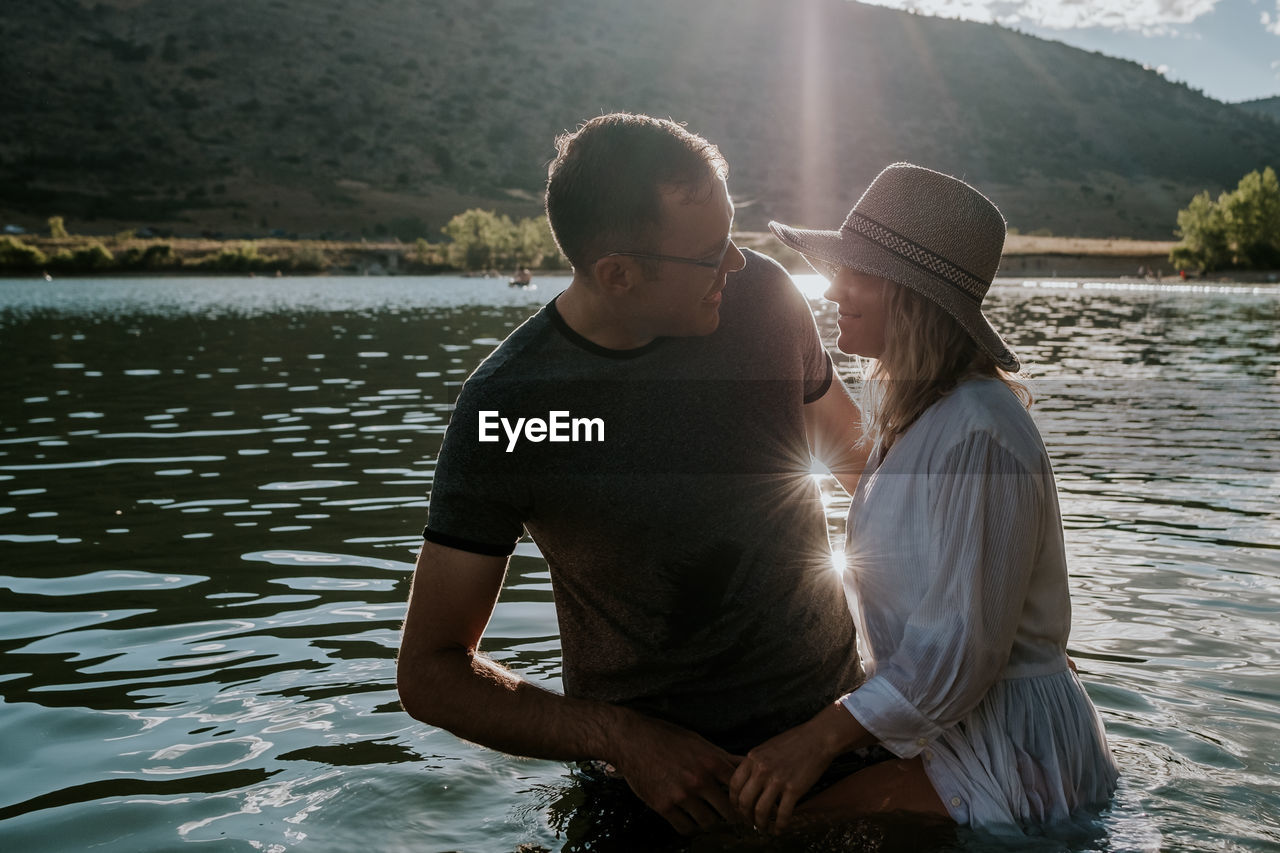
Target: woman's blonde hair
(926, 355)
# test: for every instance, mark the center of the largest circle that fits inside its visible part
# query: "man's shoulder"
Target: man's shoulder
(516, 350)
(762, 273)
(763, 292)
(511, 360)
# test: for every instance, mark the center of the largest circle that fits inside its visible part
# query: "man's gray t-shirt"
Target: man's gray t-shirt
(688, 549)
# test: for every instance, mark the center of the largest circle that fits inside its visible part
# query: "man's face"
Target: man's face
(684, 299)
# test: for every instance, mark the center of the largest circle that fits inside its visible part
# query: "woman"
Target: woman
(956, 564)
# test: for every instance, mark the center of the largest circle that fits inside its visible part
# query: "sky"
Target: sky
(1229, 49)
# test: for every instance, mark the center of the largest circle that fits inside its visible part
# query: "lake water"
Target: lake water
(211, 492)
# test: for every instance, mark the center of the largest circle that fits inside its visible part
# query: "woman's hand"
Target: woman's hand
(775, 775)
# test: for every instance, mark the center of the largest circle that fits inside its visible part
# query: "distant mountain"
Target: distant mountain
(1269, 107)
(376, 116)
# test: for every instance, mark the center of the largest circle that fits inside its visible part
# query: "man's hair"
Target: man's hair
(604, 188)
(926, 355)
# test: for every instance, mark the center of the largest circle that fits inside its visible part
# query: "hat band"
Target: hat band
(967, 283)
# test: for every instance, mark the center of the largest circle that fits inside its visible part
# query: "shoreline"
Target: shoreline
(1025, 256)
(1259, 281)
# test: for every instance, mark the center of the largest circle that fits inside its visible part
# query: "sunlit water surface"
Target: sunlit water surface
(210, 498)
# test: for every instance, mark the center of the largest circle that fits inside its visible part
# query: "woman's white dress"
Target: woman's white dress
(957, 578)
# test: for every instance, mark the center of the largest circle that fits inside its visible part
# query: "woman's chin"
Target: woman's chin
(847, 345)
(851, 344)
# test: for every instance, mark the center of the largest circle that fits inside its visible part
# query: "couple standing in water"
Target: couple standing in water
(711, 672)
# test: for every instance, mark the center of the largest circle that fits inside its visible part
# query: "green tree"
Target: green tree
(1251, 216)
(307, 257)
(159, 255)
(428, 254)
(1204, 236)
(16, 255)
(1241, 229)
(57, 229)
(535, 247)
(482, 239)
(94, 256)
(479, 238)
(242, 259)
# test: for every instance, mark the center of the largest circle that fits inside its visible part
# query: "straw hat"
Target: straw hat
(925, 230)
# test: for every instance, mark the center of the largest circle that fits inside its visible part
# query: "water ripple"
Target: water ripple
(200, 646)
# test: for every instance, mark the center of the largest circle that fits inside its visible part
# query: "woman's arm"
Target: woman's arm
(777, 773)
(985, 531)
(985, 527)
(834, 427)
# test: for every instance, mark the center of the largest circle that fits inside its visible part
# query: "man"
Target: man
(699, 612)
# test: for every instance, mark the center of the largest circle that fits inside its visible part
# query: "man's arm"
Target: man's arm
(444, 682)
(834, 425)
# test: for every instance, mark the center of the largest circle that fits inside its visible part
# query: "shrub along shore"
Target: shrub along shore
(1239, 232)
(478, 240)
(28, 255)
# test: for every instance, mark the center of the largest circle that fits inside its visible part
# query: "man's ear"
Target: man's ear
(615, 274)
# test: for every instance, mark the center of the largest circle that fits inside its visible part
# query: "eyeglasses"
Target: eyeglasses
(675, 259)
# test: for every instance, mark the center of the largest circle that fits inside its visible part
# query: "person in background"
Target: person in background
(955, 557)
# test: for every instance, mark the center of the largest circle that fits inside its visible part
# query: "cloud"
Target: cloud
(1272, 22)
(1150, 17)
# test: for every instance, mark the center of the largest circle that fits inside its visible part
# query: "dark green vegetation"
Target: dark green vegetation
(1241, 230)
(79, 255)
(384, 118)
(477, 240)
(1269, 107)
(482, 240)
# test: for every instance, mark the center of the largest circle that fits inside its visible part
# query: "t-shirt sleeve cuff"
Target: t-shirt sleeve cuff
(894, 721)
(470, 545)
(817, 394)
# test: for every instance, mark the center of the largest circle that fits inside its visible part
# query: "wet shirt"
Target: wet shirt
(684, 534)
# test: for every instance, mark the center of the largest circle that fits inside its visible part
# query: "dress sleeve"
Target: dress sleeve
(984, 528)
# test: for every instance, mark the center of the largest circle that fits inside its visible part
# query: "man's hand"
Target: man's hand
(678, 774)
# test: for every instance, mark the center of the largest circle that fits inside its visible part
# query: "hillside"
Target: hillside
(1269, 107)
(353, 117)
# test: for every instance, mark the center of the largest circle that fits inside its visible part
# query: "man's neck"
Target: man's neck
(598, 319)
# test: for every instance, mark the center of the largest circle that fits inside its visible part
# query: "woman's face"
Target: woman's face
(860, 299)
